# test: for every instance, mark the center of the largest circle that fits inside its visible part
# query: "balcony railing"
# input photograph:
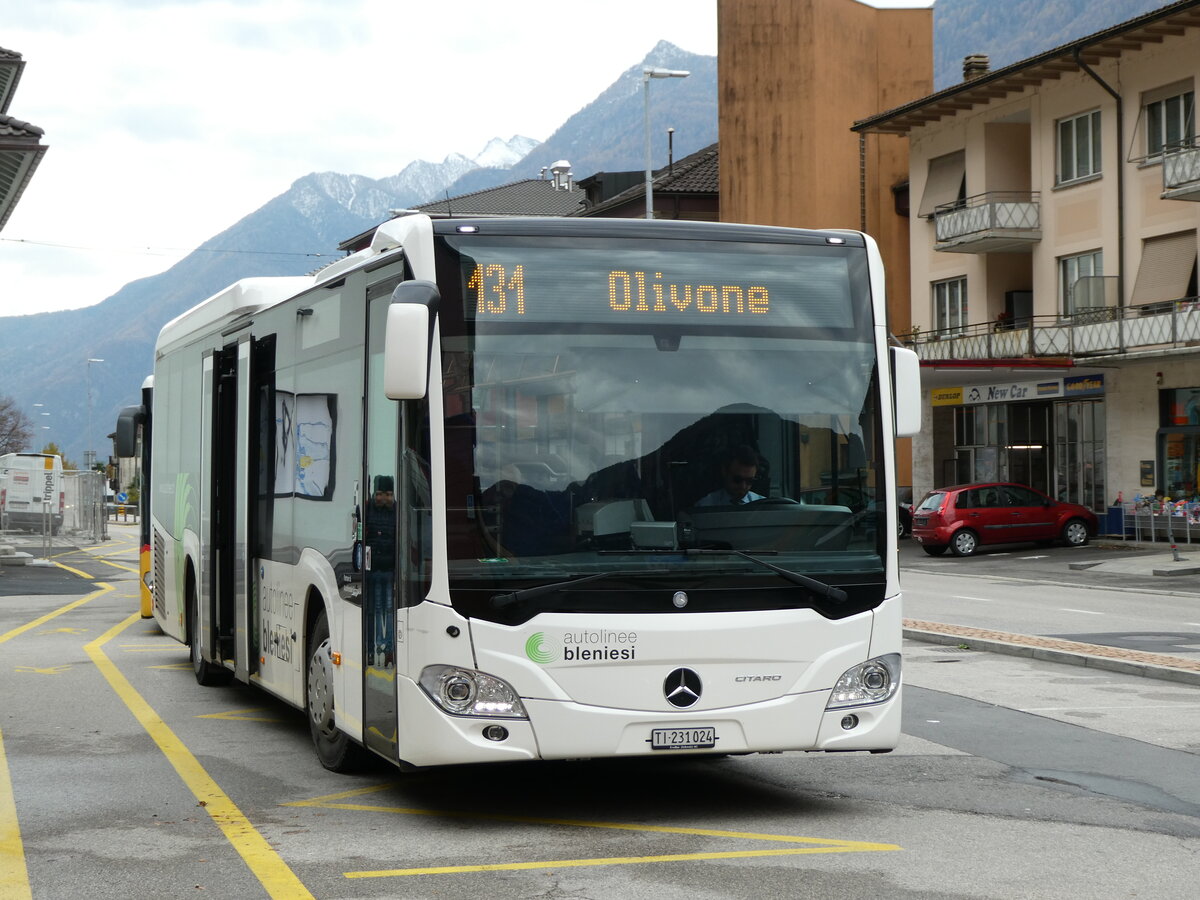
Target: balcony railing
(995, 222)
(1091, 332)
(1181, 174)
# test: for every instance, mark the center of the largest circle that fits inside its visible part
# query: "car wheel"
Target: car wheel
(1075, 533)
(933, 551)
(903, 524)
(964, 543)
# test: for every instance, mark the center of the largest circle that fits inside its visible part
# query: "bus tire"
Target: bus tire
(335, 749)
(207, 674)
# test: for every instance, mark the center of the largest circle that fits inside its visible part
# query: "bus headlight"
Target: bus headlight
(873, 681)
(465, 692)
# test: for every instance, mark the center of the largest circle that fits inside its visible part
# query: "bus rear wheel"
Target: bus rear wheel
(336, 751)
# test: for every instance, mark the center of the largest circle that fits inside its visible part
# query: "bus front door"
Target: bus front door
(381, 518)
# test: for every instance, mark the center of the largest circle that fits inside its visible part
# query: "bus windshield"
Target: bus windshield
(614, 407)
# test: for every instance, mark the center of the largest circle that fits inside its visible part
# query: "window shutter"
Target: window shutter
(1166, 267)
(945, 180)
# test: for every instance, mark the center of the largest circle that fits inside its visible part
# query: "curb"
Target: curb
(1095, 656)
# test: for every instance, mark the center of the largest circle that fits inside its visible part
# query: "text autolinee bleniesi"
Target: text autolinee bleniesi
(498, 291)
(573, 651)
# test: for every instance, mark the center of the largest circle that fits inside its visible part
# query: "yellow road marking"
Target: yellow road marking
(808, 845)
(14, 877)
(267, 865)
(42, 620)
(239, 715)
(83, 575)
(48, 670)
(109, 562)
(64, 631)
(186, 665)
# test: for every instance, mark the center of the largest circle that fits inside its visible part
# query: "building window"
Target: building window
(950, 306)
(1179, 443)
(1170, 123)
(1080, 282)
(1079, 147)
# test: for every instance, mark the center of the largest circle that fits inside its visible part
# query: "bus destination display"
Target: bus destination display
(528, 284)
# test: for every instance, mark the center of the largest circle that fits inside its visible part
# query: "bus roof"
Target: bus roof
(240, 298)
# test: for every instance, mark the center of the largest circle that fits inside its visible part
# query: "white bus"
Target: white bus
(459, 495)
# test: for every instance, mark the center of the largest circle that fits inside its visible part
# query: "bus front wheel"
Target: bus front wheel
(335, 749)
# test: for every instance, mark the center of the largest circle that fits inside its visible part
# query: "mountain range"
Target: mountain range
(299, 231)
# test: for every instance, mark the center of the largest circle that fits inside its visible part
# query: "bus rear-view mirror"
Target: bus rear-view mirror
(127, 430)
(906, 382)
(408, 340)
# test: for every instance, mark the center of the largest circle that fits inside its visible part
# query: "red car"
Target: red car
(966, 516)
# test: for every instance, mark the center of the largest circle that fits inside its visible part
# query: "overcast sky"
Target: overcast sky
(169, 120)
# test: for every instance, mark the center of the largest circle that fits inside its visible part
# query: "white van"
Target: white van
(32, 488)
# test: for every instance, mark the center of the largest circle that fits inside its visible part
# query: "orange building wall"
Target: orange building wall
(793, 76)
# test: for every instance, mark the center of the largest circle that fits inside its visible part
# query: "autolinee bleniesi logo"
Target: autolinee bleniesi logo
(583, 646)
(535, 649)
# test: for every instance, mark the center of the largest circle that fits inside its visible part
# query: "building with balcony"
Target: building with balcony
(1053, 249)
(21, 146)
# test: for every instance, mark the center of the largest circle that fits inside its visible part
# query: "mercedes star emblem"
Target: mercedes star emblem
(682, 688)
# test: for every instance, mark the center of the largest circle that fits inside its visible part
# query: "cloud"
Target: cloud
(169, 120)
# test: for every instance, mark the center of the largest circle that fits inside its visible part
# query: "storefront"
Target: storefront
(1179, 443)
(1048, 434)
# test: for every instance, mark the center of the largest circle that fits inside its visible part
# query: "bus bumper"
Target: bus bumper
(565, 730)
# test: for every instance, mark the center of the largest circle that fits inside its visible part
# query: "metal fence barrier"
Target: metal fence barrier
(1147, 521)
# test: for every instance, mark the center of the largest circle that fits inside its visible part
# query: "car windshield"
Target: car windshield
(931, 502)
(573, 449)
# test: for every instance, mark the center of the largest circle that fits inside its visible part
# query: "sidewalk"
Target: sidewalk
(1097, 656)
(1157, 560)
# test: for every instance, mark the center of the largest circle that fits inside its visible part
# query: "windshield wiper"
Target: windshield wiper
(504, 601)
(820, 588)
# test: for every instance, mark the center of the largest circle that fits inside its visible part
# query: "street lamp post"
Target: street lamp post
(89, 455)
(648, 73)
(42, 406)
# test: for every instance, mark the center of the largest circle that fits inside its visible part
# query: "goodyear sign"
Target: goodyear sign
(1083, 385)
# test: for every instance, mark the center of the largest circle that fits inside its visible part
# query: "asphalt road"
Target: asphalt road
(1045, 591)
(120, 777)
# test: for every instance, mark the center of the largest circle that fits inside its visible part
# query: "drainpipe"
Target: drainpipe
(1120, 181)
(862, 181)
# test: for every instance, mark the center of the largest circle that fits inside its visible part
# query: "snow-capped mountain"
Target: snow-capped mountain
(500, 154)
(422, 180)
(294, 233)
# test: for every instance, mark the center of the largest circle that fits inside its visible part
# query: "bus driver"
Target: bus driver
(738, 471)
